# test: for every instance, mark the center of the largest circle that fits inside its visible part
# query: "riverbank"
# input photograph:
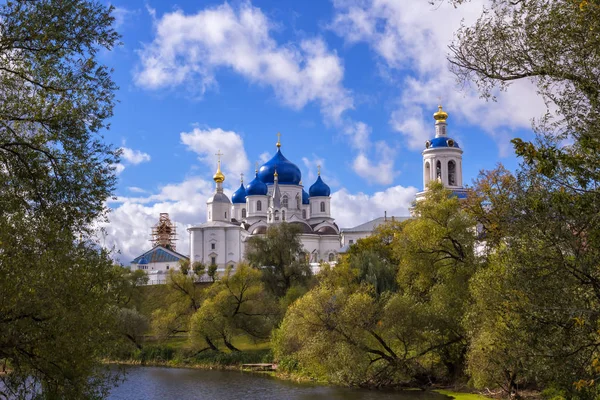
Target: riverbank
(452, 392)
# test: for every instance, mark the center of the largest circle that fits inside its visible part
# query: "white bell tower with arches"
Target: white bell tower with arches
(442, 159)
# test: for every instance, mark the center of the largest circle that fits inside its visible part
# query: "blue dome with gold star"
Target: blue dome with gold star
(256, 187)
(319, 188)
(239, 196)
(442, 141)
(287, 172)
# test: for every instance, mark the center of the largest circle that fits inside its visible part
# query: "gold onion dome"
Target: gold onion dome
(219, 177)
(440, 115)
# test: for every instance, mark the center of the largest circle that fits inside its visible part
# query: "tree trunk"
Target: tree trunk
(210, 344)
(229, 345)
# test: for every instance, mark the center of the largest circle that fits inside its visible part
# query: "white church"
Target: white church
(276, 194)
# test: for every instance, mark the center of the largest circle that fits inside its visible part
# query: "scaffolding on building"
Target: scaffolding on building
(164, 233)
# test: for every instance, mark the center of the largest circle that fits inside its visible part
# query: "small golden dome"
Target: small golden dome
(219, 177)
(440, 115)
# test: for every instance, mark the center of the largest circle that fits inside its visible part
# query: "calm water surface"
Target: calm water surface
(149, 383)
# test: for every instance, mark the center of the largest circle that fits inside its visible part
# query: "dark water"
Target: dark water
(149, 383)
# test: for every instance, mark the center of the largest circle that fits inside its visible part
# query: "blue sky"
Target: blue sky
(350, 84)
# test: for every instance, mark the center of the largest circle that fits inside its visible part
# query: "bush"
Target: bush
(156, 353)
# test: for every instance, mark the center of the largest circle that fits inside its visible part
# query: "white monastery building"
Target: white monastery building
(277, 194)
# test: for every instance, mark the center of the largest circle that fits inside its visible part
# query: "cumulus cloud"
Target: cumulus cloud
(414, 36)
(131, 218)
(134, 156)
(207, 142)
(382, 171)
(188, 49)
(351, 209)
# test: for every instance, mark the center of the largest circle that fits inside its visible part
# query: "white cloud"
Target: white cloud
(136, 189)
(189, 48)
(134, 156)
(414, 36)
(350, 209)
(131, 218)
(118, 168)
(121, 14)
(381, 172)
(207, 142)
(264, 157)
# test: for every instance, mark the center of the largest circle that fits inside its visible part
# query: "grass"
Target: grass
(462, 396)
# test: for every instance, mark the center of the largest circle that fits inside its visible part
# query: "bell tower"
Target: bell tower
(442, 157)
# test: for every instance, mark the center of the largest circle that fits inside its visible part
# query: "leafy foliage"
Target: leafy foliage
(278, 255)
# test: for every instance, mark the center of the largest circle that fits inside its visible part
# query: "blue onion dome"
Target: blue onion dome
(305, 198)
(256, 187)
(239, 196)
(442, 141)
(288, 172)
(319, 188)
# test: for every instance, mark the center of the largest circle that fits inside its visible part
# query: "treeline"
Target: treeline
(499, 292)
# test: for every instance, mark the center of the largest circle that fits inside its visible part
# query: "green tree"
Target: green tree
(278, 255)
(212, 272)
(236, 304)
(355, 328)
(551, 207)
(199, 268)
(538, 299)
(56, 174)
(184, 298)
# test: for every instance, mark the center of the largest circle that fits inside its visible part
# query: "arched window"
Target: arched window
(297, 202)
(331, 257)
(427, 172)
(225, 214)
(209, 215)
(284, 201)
(438, 170)
(322, 206)
(276, 214)
(283, 215)
(258, 205)
(243, 213)
(304, 214)
(451, 173)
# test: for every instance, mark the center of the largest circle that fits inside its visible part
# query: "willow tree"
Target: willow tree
(278, 254)
(356, 328)
(56, 174)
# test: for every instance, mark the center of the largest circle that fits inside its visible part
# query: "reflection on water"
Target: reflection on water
(149, 383)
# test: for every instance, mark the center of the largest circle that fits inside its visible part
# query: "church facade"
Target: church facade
(277, 194)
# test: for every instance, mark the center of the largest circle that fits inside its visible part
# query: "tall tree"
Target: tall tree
(556, 45)
(56, 173)
(278, 255)
(356, 328)
(553, 205)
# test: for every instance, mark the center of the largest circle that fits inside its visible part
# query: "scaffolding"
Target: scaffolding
(164, 233)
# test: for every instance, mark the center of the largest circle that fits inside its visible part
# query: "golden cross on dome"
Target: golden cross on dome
(256, 167)
(242, 177)
(278, 139)
(319, 169)
(219, 154)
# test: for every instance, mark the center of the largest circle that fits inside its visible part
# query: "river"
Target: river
(150, 383)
